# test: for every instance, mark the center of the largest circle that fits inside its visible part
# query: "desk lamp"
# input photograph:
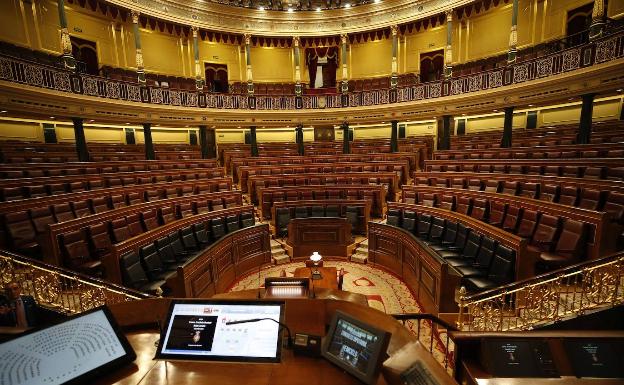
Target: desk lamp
(316, 260)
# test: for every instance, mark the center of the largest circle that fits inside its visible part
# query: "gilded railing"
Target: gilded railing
(60, 289)
(548, 298)
(609, 48)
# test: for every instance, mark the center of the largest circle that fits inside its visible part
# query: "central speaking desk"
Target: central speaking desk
(328, 236)
(329, 278)
(309, 316)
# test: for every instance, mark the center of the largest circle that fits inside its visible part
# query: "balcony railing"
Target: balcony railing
(60, 289)
(600, 51)
(552, 297)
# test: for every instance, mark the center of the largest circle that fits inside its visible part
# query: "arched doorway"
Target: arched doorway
(216, 77)
(85, 53)
(431, 65)
(577, 24)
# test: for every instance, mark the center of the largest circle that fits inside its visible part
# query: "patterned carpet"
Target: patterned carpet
(383, 290)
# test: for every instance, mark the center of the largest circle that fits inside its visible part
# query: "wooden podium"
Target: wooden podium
(329, 236)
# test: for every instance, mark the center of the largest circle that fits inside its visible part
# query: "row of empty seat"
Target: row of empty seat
(482, 262)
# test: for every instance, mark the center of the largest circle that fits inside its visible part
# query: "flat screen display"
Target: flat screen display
(516, 358)
(356, 347)
(69, 352)
(197, 330)
(596, 358)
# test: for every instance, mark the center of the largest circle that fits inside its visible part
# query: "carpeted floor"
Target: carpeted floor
(383, 290)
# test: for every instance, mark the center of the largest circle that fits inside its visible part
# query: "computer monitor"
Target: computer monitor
(197, 330)
(82, 347)
(517, 357)
(356, 347)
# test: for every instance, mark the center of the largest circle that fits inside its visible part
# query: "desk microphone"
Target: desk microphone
(283, 325)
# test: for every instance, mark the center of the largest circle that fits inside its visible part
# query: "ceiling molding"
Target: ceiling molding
(224, 18)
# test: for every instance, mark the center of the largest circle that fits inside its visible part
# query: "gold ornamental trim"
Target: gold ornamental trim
(224, 18)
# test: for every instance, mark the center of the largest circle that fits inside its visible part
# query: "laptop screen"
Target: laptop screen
(197, 330)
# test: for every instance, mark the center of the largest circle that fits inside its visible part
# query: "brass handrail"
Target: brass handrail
(61, 289)
(547, 298)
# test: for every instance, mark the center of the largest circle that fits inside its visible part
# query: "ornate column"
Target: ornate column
(513, 34)
(81, 142)
(394, 78)
(346, 145)
(250, 86)
(137, 44)
(149, 144)
(254, 141)
(68, 58)
(297, 54)
(585, 123)
(598, 20)
(344, 85)
(448, 55)
(394, 136)
(507, 126)
(199, 79)
(299, 139)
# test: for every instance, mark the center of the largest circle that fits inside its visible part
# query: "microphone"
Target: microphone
(283, 325)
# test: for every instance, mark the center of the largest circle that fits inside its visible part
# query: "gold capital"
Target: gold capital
(394, 29)
(194, 29)
(296, 41)
(135, 17)
(247, 38)
(343, 38)
(449, 15)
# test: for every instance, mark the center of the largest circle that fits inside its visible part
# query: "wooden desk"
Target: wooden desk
(301, 316)
(329, 278)
(328, 236)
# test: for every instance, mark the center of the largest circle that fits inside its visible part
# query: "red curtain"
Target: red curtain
(329, 72)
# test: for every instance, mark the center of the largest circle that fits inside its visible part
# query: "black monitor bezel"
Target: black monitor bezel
(370, 377)
(237, 359)
(582, 371)
(128, 357)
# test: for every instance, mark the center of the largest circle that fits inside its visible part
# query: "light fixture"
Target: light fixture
(51, 117)
(377, 1)
(495, 110)
(348, 5)
(127, 123)
(318, 9)
(261, 8)
(290, 9)
(316, 259)
(619, 90)
(3, 112)
(530, 105)
(91, 121)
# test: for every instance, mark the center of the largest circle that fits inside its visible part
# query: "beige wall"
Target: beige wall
(35, 24)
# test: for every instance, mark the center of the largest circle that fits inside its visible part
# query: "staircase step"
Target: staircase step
(359, 257)
(280, 258)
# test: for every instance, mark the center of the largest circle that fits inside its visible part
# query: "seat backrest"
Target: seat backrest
(20, 228)
(484, 257)
(510, 187)
(393, 217)
(437, 228)
(479, 209)
(232, 223)
(100, 239)
(590, 199)
(492, 186)
(301, 212)
(409, 220)
(81, 209)
(99, 205)
(463, 205)
(74, 246)
(149, 219)
(119, 228)
(217, 227)
(473, 242)
(501, 269)
(167, 214)
(614, 206)
(528, 223)
(568, 196)
(134, 224)
(497, 212)
(571, 240)
(474, 184)
(450, 232)
(41, 218)
(317, 211)
(545, 233)
(424, 225)
(332, 211)
(132, 272)
(530, 189)
(549, 192)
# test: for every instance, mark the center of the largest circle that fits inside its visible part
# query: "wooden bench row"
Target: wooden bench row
(111, 261)
(412, 158)
(216, 268)
(58, 157)
(401, 168)
(388, 179)
(20, 170)
(123, 195)
(271, 195)
(600, 240)
(73, 183)
(337, 208)
(605, 150)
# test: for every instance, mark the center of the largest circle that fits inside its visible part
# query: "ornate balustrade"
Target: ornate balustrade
(597, 52)
(61, 289)
(547, 298)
